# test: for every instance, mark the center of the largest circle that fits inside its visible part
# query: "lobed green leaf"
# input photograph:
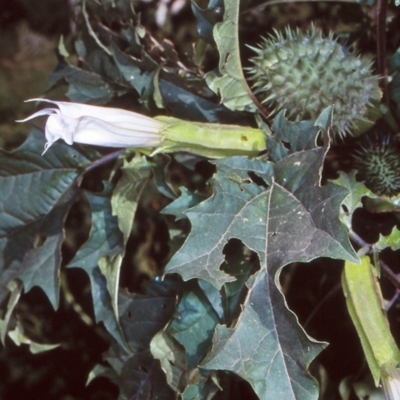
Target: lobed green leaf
(36, 195)
(230, 83)
(105, 240)
(282, 213)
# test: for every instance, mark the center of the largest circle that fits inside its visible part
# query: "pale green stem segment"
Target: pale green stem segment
(209, 140)
(365, 304)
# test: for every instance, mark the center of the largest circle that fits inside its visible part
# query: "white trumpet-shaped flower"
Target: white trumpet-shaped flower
(113, 127)
(99, 126)
(391, 383)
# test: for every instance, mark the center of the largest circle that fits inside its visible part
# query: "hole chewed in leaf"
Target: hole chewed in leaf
(241, 263)
(258, 180)
(39, 240)
(286, 145)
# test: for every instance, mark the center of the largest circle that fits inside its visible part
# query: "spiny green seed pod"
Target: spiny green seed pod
(377, 159)
(304, 73)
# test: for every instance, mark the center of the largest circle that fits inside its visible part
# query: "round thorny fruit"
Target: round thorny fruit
(305, 73)
(377, 159)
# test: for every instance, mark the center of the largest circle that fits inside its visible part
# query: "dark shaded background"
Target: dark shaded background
(29, 33)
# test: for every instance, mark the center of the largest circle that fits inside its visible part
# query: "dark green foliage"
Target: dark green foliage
(204, 278)
(206, 19)
(36, 195)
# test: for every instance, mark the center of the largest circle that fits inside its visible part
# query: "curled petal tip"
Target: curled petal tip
(46, 147)
(40, 113)
(39, 99)
(29, 100)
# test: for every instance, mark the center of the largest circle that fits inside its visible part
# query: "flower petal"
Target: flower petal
(99, 126)
(391, 383)
(59, 126)
(40, 113)
(102, 133)
(113, 116)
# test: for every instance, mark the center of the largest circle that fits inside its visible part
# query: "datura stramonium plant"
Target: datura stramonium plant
(305, 72)
(113, 127)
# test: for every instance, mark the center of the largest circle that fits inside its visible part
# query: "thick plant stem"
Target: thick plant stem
(381, 10)
(384, 267)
